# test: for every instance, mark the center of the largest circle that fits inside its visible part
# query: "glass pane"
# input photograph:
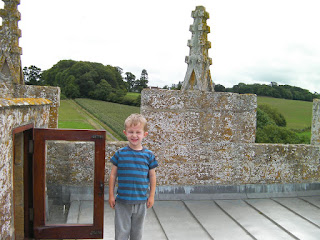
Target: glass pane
(69, 182)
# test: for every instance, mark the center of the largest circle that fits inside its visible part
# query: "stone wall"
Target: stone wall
(192, 119)
(315, 130)
(218, 164)
(203, 138)
(6, 87)
(50, 93)
(207, 139)
(15, 113)
(233, 164)
(11, 90)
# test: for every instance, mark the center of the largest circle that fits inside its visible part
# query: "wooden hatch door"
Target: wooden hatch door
(68, 180)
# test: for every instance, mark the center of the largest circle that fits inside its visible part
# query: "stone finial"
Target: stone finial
(198, 76)
(10, 52)
(315, 128)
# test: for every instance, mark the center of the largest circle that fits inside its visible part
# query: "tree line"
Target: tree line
(271, 90)
(81, 79)
(78, 79)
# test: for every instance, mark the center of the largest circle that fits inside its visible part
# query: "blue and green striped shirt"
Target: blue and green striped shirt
(133, 174)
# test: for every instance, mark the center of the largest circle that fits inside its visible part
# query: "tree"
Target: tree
(271, 90)
(270, 130)
(275, 134)
(142, 82)
(219, 88)
(274, 114)
(263, 119)
(84, 79)
(176, 86)
(130, 78)
(71, 89)
(32, 75)
(102, 91)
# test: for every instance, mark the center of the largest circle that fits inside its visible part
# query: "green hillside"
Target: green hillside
(298, 114)
(71, 117)
(111, 114)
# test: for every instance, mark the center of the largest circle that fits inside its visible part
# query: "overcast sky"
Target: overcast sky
(253, 41)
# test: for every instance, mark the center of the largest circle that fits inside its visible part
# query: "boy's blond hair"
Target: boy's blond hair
(135, 119)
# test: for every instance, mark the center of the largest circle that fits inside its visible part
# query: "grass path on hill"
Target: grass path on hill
(298, 114)
(73, 116)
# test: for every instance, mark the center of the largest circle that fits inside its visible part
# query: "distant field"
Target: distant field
(111, 114)
(69, 117)
(298, 114)
(132, 95)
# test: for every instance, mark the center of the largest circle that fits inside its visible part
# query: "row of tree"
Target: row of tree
(271, 90)
(97, 81)
(78, 79)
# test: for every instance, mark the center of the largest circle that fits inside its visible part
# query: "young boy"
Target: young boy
(134, 166)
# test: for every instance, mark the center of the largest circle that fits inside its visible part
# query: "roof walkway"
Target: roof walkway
(222, 219)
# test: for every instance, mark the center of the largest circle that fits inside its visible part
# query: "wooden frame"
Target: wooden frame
(68, 231)
(27, 131)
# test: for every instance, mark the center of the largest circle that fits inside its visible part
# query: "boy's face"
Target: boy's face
(135, 135)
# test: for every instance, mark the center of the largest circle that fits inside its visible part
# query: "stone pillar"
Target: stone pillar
(198, 76)
(10, 52)
(315, 129)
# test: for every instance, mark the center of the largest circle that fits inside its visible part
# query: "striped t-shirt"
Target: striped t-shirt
(133, 174)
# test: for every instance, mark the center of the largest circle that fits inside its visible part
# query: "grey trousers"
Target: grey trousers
(129, 221)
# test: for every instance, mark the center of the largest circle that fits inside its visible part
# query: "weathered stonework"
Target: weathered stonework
(176, 128)
(15, 113)
(10, 52)
(6, 87)
(315, 130)
(70, 163)
(203, 138)
(50, 93)
(19, 105)
(197, 118)
(198, 76)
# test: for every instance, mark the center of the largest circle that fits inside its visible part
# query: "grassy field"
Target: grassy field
(70, 117)
(111, 114)
(133, 95)
(298, 114)
(73, 116)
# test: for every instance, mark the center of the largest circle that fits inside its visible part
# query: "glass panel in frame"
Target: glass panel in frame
(69, 175)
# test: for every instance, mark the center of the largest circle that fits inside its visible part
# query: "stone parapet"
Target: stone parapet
(217, 164)
(18, 102)
(196, 117)
(315, 129)
(234, 164)
(50, 93)
(15, 113)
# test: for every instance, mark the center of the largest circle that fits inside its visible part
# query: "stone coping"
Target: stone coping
(207, 192)
(11, 102)
(237, 191)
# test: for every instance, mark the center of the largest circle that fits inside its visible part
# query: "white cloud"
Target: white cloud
(252, 41)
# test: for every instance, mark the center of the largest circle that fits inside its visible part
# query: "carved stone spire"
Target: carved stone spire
(198, 76)
(10, 52)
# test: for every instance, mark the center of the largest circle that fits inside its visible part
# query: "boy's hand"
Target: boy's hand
(150, 202)
(112, 201)
(113, 176)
